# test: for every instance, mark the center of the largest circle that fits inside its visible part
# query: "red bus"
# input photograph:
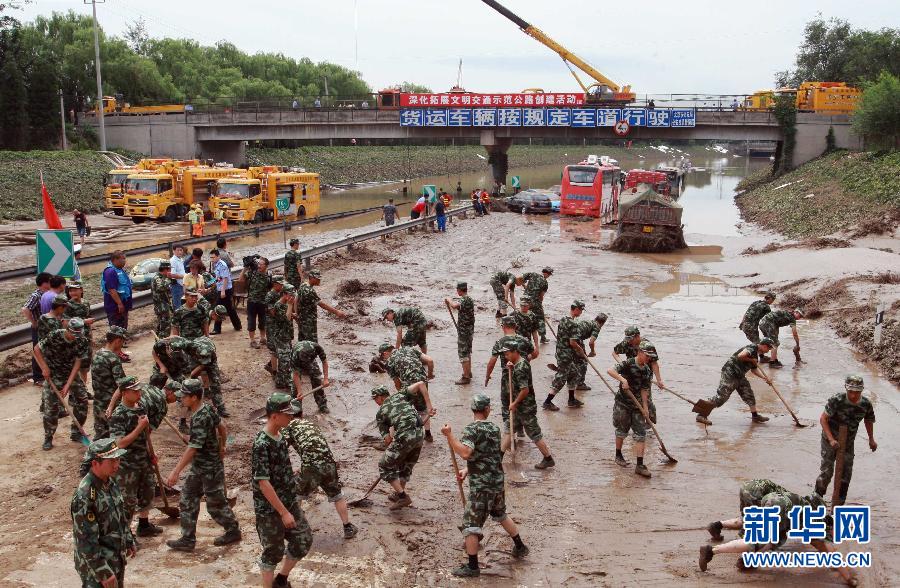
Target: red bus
(589, 187)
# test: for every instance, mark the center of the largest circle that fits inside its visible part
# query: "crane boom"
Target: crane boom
(567, 56)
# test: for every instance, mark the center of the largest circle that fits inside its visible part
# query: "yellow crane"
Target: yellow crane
(603, 90)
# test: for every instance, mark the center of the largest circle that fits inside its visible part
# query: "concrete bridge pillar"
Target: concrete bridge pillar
(497, 157)
(234, 152)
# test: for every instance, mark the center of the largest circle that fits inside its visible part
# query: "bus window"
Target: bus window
(582, 175)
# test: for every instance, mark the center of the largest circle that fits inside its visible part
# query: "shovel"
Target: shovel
(630, 394)
(452, 317)
(839, 466)
(462, 495)
(85, 440)
(169, 511)
(232, 500)
(512, 417)
(174, 428)
(784, 402)
(261, 412)
(701, 407)
(797, 356)
(549, 326)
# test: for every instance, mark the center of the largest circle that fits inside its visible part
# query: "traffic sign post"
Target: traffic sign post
(621, 128)
(429, 191)
(516, 182)
(283, 204)
(55, 252)
(879, 320)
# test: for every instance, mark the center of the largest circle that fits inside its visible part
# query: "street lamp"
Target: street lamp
(97, 67)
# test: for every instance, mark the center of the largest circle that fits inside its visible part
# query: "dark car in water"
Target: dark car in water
(530, 202)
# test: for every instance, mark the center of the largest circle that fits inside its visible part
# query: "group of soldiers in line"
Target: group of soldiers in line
(186, 371)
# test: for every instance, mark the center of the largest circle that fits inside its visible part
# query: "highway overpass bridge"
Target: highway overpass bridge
(223, 136)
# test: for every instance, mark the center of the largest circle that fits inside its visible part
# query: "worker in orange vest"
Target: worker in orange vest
(447, 199)
(198, 226)
(476, 201)
(485, 201)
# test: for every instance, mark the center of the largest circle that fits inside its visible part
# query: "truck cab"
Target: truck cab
(255, 196)
(151, 195)
(114, 189)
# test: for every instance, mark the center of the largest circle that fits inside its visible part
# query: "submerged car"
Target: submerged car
(530, 202)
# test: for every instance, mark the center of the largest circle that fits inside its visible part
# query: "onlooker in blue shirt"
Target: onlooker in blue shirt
(32, 312)
(177, 274)
(115, 284)
(224, 291)
(57, 285)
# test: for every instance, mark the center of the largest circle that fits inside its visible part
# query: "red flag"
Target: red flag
(50, 216)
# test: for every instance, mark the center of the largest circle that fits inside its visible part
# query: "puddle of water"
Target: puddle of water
(705, 298)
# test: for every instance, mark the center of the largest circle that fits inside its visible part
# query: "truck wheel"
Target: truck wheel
(119, 211)
(137, 219)
(301, 211)
(259, 217)
(171, 215)
(270, 215)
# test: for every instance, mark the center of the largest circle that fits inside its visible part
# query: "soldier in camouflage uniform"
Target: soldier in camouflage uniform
(536, 287)
(403, 444)
(772, 322)
(750, 323)
(205, 365)
(465, 329)
(129, 426)
(281, 337)
(845, 409)
(589, 330)
(100, 530)
(170, 360)
(734, 377)
(161, 288)
(503, 284)
(106, 370)
(77, 307)
(279, 519)
(190, 321)
(523, 404)
(633, 374)
(479, 445)
(406, 366)
(415, 323)
(204, 453)
(526, 324)
(629, 347)
(318, 469)
(59, 357)
(510, 336)
(293, 266)
(568, 354)
(307, 303)
(259, 283)
(53, 320)
(303, 362)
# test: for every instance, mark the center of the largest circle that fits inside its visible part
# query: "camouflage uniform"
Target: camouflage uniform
(498, 280)
(402, 454)
(206, 477)
(465, 331)
(841, 411)
(303, 361)
(317, 466)
(279, 337)
(630, 351)
(60, 355)
(568, 372)
(161, 287)
(173, 354)
(750, 323)
(406, 365)
(415, 323)
(272, 462)
(258, 287)
(101, 531)
(734, 378)
(535, 287)
(526, 324)
(307, 313)
(486, 493)
(292, 261)
(587, 329)
(106, 369)
(753, 492)
(627, 416)
(153, 400)
(82, 310)
(271, 298)
(190, 321)
(135, 476)
(46, 324)
(525, 347)
(773, 321)
(202, 351)
(785, 501)
(526, 412)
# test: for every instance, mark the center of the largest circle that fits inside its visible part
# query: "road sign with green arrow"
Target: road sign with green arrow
(55, 253)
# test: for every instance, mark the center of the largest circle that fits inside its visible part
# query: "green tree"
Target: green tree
(414, 88)
(13, 105)
(786, 114)
(877, 117)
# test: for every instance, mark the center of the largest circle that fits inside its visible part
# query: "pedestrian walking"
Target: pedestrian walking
(82, 225)
(259, 283)
(440, 211)
(388, 214)
(193, 221)
(224, 291)
(224, 254)
(293, 266)
(76, 255)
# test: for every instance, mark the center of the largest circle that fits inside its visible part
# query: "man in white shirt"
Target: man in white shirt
(177, 275)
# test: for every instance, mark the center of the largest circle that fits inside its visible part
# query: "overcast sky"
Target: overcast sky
(679, 47)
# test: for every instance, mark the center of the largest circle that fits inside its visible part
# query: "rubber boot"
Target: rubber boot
(229, 537)
(706, 555)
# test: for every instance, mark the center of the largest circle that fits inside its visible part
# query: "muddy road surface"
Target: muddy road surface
(587, 521)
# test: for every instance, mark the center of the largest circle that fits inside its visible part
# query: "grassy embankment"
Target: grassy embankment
(839, 191)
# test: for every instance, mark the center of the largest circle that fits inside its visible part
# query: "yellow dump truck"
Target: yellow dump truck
(267, 193)
(114, 183)
(166, 194)
(827, 97)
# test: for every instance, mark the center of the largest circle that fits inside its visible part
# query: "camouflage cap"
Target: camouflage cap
(648, 348)
(74, 286)
(800, 312)
(283, 403)
(380, 391)
(59, 301)
(480, 402)
(547, 270)
(386, 311)
(854, 382)
(116, 331)
(76, 325)
(278, 280)
(164, 265)
(289, 289)
(814, 500)
(384, 347)
(525, 299)
(601, 318)
(508, 321)
(767, 341)
(511, 346)
(191, 292)
(769, 294)
(632, 331)
(172, 385)
(462, 286)
(314, 273)
(192, 387)
(104, 449)
(220, 310)
(578, 304)
(294, 241)
(128, 383)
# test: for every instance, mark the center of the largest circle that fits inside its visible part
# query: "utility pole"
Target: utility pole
(99, 81)
(62, 120)
(356, 34)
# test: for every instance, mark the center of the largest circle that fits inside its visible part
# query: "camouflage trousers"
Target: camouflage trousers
(89, 581)
(163, 325)
(400, 458)
(770, 330)
(826, 468)
(212, 387)
(504, 406)
(53, 409)
(627, 417)
(315, 380)
(101, 423)
(497, 287)
(138, 485)
(751, 331)
(415, 335)
(308, 330)
(569, 373)
(321, 475)
(273, 536)
(526, 421)
(464, 344)
(728, 383)
(283, 373)
(209, 483)
(478, 506)
(537, 309)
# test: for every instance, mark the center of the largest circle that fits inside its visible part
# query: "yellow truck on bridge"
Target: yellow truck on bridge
(267, 193)
(114, 183)
(166, 194)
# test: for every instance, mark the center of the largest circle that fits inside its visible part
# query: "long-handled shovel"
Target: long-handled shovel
(174, 428)
(512, 415)
(232, 500)
(450, 310)
(261, 412)
(701, 407)
(783, 401)
(549, 326)
(839, 466)
(662, 446)
(462, 495)
(85, 440)
(168, 510)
